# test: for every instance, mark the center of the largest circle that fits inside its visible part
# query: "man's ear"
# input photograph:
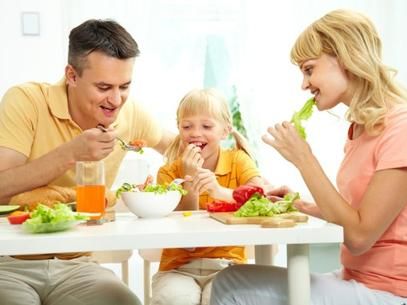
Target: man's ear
(70, 75)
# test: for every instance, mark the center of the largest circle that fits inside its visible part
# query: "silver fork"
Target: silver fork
(123, 144)
(178, 181)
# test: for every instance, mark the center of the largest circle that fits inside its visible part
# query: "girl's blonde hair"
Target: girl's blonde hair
(210, 102)
(354, 41)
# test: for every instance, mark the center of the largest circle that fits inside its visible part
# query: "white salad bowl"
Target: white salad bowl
(150, 204)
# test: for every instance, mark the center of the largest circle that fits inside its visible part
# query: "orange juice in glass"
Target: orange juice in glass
(90, 188)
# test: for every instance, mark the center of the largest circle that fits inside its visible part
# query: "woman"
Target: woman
(340, 58)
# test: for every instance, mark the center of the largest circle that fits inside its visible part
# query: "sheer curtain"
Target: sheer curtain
(246, 44)
(242, 44)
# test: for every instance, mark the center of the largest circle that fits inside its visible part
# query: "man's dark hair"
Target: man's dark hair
(106, 36)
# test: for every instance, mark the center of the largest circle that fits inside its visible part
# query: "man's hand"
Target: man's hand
(92, 145)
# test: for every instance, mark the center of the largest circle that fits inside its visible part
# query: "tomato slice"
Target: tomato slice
(18, 217)
(222, 206)
(139, 143)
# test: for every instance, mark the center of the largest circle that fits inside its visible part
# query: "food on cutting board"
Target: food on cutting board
(241, 195)
(253, 207)
(259, 205)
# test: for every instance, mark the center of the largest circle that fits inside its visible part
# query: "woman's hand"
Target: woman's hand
(285, 139)
(308, 208)
(191, 159)
(276, 193)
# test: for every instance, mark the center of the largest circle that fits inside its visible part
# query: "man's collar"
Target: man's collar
(58, 100)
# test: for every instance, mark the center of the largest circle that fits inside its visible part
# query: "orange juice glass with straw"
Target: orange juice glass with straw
(90, 188)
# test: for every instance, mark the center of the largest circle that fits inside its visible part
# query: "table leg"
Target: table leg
(299, 291)
(263, 255)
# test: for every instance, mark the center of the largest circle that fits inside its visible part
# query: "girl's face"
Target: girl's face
(326, 79)
(202, 131)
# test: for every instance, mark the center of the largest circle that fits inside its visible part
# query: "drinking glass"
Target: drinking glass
(90, 188)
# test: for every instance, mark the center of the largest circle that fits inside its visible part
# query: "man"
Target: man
(44, 130)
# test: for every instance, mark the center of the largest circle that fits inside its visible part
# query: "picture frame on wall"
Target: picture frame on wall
(30, 23)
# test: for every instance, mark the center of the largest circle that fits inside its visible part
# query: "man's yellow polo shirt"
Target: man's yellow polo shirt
(34, 119)
(234, 168)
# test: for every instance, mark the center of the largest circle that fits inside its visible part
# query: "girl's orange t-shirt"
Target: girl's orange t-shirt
(234, 168)
(384, 266)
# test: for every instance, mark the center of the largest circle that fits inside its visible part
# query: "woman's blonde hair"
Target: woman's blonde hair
(353, 40)
(205, 101)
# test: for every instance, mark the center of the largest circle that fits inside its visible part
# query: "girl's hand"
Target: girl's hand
(285, 139)
(205, 180)
(191, 159)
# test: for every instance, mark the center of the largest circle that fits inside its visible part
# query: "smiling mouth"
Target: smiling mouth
(199, 144)
(107, 110)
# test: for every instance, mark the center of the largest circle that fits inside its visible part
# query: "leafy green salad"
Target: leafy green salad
(303, 115)
(58, 218)
(151, 188)
(259, 205)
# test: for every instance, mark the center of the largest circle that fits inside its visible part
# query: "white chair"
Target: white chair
(149, 256)
(121, 256)
(118, 256)
(154, 255)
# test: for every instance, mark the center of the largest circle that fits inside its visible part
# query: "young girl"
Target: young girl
(203, 120)
(340, 58)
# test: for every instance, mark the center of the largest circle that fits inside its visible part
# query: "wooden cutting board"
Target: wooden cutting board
(277, 221)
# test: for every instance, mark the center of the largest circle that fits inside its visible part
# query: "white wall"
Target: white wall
(172, 37)
(27, 58)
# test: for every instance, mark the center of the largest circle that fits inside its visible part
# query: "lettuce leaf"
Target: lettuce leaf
(303, 115)
(258, 205)
(152, 188)
(58, 218)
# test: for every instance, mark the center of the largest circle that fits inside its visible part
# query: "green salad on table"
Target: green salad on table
(150, 188)
(58, 218)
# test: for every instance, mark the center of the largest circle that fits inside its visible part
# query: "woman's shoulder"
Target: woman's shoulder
(397, 115)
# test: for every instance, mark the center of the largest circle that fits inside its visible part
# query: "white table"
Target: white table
(198, 230)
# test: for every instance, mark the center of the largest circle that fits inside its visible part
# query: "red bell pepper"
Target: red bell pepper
(243, 193)
(222, 206)
(18, 217)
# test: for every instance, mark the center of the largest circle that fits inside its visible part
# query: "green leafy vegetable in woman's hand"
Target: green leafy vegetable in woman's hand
(303, 115)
